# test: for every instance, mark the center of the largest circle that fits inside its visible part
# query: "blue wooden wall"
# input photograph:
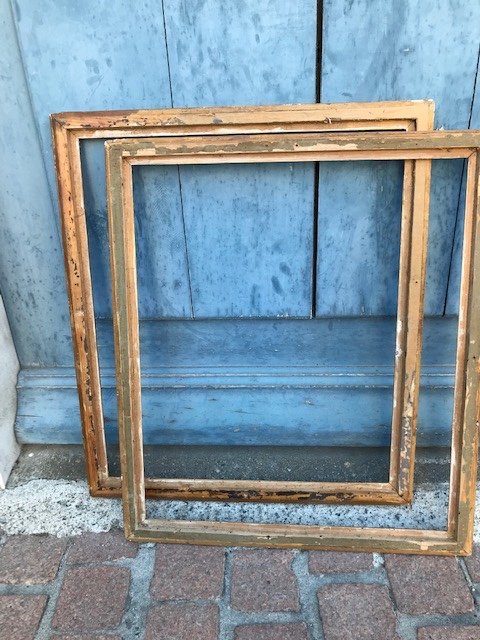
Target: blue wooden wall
(233, 262)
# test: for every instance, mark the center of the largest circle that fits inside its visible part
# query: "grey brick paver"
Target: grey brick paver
(324, 562)
(182, 621)
(20, 616)
(291, 631)
(473, 564)
(101, 547)
(83, 637)
(92, 598)
(187, 572)
(357, 612)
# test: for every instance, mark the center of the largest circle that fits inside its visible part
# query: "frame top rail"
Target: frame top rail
(444, 143)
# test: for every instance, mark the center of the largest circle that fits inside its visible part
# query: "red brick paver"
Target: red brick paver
(82, 637)
(30, 559)
(187, 593)
(182, 621)
(272, 632)
(101, 547)
(263, 580)
(473, 564)
(187, 572)
(356, 612)
(339, 562)
(425, 584)
(92, 598)
(449, 633)
(20, 616)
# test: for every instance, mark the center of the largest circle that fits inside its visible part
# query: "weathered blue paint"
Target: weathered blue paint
(390, 50)
(358, 236)
(162, 273)
(295, 413)
(232, 241)
(239, 53)
(101, 57)
(249, 239)
(163, 282)
(249, 229)
(31, 261)
(453, 294)
(94, 187)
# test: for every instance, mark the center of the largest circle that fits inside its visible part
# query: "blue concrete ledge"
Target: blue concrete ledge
(336, 407)
(259, 382)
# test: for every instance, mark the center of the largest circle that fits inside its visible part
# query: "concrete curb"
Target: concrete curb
(9, 368)
(64, 508)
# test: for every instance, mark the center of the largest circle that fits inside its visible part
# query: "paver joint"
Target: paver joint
(87, 588)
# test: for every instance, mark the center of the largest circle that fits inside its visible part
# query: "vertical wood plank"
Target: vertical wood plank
(162, 272)
(387, 50)
(94, 56)
(31, 261)
(93, 162)
(359, 238)
(162, 262)
(465, 412)
(453, 294)
(239, 53)
(249, 237)
(249, 230)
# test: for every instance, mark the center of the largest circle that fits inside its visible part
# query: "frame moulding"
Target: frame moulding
(418, 147)
(70, 128)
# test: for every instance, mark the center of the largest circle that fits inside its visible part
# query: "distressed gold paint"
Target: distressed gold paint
(346, 538)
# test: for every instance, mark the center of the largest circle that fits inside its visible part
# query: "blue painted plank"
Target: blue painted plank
(102, 56)
(358, 227)
(31, 263)
(282, 344)
(288, 415)
(249, 239)
(453, 296)
(92, 154)
(251, 54)
(108, 57)
(390, 50)
(249, 230)
(239, 53)
(163, 282)
(162, 268)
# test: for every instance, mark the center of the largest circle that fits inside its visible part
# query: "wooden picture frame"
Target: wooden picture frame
(418, 147)
(69, 129)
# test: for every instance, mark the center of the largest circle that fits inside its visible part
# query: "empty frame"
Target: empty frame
(69, 129)
(416, 147)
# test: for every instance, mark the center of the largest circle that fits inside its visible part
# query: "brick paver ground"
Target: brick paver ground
(100, 587)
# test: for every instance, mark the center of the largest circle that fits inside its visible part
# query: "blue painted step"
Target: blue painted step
(284, 382)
